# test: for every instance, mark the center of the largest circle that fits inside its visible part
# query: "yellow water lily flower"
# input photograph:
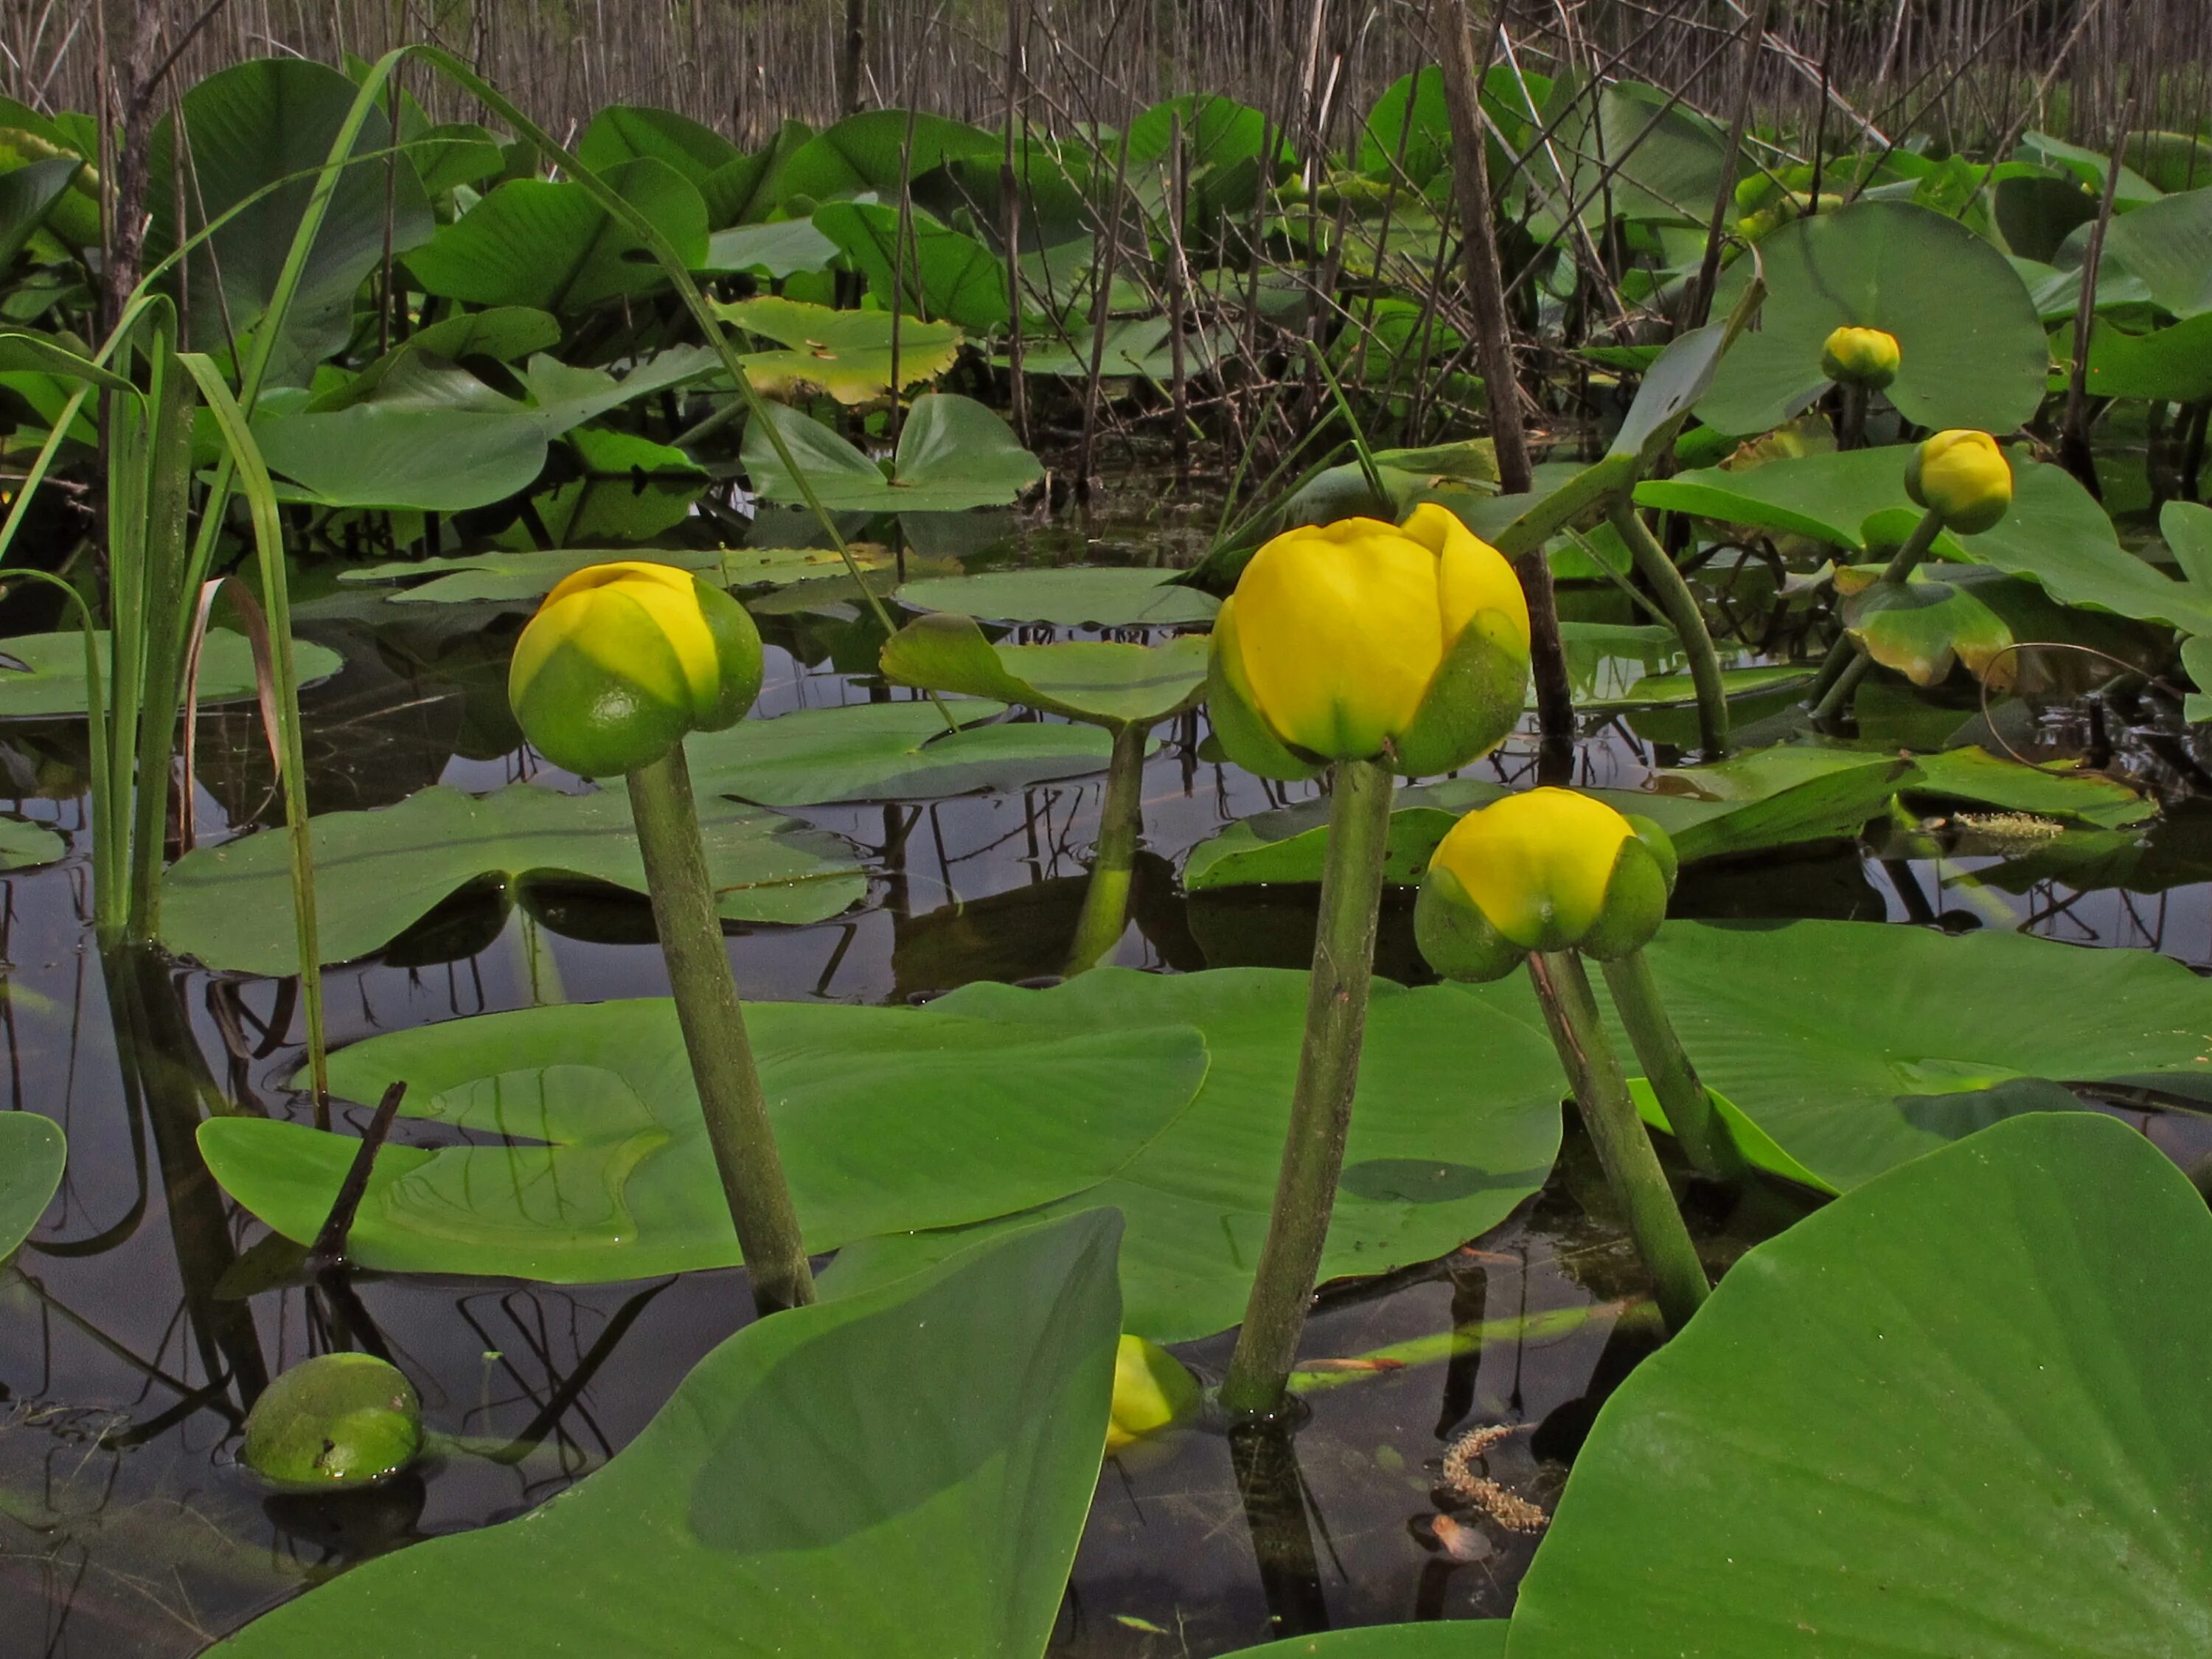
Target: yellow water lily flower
(623, 658)
(1860, 357)
(1361, 639)
(1964, 476)
(1151, 1391)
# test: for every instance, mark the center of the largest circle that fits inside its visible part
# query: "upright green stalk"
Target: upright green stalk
(1842, 668)
(1121, 820)
(1321, 1105)
(1667, 1069)
(1680, 606)
(1624, 1148)
(714, 1023)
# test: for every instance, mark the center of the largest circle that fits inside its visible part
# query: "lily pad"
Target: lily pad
(32, 1156)
(1096, 681)
(42, 675)
(511, 578)
(847, 354)
(953, 453)
(1922, 627)
(378, 872)
(887, 1119)
(1091, 596)
(784, 249)
(944, 272)
(1952, 1413)
(26, 846)
(1458, 1638)
(1134, 345)
(1456, 1121)
(888, 751)
(967, 1403)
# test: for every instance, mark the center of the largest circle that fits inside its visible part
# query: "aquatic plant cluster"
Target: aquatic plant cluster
(1609, 510)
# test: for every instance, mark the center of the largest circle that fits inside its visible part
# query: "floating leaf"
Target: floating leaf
(1098, 682)
(1136, 345)
(507, 578)
(847, 354)
(776, 251)
(32, 1155)
(1952, 1413)
(887, 1119)
(1091, 596)
(943, 273)
(2166, 245)
(378, 872)
(967, 1403)
(880, 150)
(1456, 1121)
(26, 846)
(953, 453)
(1922, 627)
(1462, 1638)
(42, 675)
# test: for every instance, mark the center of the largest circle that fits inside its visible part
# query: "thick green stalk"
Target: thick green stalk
(1320, 1104)
(1680, 606)
(157, 674)
(1667, 1069)
(714, 1023)
(1826, 697)
(1121, 820)
(1624, 1148)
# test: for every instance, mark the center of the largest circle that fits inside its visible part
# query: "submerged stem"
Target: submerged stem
(1624, 1148)
(1321, 1106)
(1666, 1067)
(714, 1023)
(1680, 606)
(1120, 821)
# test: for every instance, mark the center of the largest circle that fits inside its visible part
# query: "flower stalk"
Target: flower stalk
(1704, 1139)
(1121, 820)
(1846, 664)
(1680, 606)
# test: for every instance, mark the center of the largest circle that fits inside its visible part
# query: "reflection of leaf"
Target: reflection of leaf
(826, 1448)
(1099, 682)
(26, 846)
(953, 453)
(886, 1118)
(847, 354)
(1458, 1121)
(32, 1155)
(377, 872)
(42, 674)
(2012, 1452)
(1088, 596)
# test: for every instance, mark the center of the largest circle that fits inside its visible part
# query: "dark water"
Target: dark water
(140, 1321)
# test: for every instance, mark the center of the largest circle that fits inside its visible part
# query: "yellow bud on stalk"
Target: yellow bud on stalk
(623, 660)
(1362, 641)
(1965, 477)
(1860, 357)
(1151, 1391)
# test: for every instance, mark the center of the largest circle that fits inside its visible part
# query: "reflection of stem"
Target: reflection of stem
(1274, 1500)
(1120, 821)
(541, 969)
(1666, 1068)
(331, 1239)
(1846, 664)
(1624, 1149)
(1680, 606)
(1321, 1106)
(713, 1021)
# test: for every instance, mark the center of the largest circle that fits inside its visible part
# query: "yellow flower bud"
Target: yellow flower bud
(1151, 1391)
(1549, 870)
(1860, 357)
(623, 660)
(1359, 638)
(1964, 476)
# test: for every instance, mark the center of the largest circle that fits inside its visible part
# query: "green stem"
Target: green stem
(714, 1023)
(1320, 1104)
(1120, 821)
(1666, 1067)
(1846, 652)
(1441, 1347)
(1680, 606)
(1852, 432)
(1624, 1149)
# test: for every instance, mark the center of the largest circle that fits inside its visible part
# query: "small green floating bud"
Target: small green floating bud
(1963, 476)
(1151, 1391)
(340, 1419)
(623, 660)
(1549, 870)
(1860, 357)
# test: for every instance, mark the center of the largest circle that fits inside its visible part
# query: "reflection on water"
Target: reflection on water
(137, 1327)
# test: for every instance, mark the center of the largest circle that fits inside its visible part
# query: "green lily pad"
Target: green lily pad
(1456, 1121)
(1092, 596)
(1134, 345)
(887, 751)
(784, 249)
(378, 872)
(887, 1119)
(1458, 1638)
(845, 354)
(2166, 245)
(336, 1420)
(509, 578)
(1972, 353)
(967, 1403)
(2166, 364)
(32, 1154)
(1098, 682)
(944, 272)
(1923, 627)
(42, 675)
(26, 846)
(953, 453)
(1952, 1413)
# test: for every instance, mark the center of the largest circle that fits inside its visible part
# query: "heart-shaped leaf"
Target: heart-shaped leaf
(42, 675)
(845, 354)
(1922, 627)
(32, 1155)
(1096, 681)
(1092, 596)
(953, 453)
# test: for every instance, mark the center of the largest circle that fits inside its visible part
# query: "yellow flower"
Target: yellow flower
(1359, 638)
(1860, 357)
(1549, 870)
(623, 658)
(1151, 1391)
(1964, 476)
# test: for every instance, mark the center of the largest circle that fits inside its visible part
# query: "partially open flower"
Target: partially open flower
(1964, 476)
(623, 660)
(1361, 641)
(1860, 357)
(1549, 870)
(1151, 1391)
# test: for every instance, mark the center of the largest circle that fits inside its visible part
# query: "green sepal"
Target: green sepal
(594, 723)
(1457, 939)
(737, 654)
(1473, 704)
(1636, 895)
(1246, 736)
